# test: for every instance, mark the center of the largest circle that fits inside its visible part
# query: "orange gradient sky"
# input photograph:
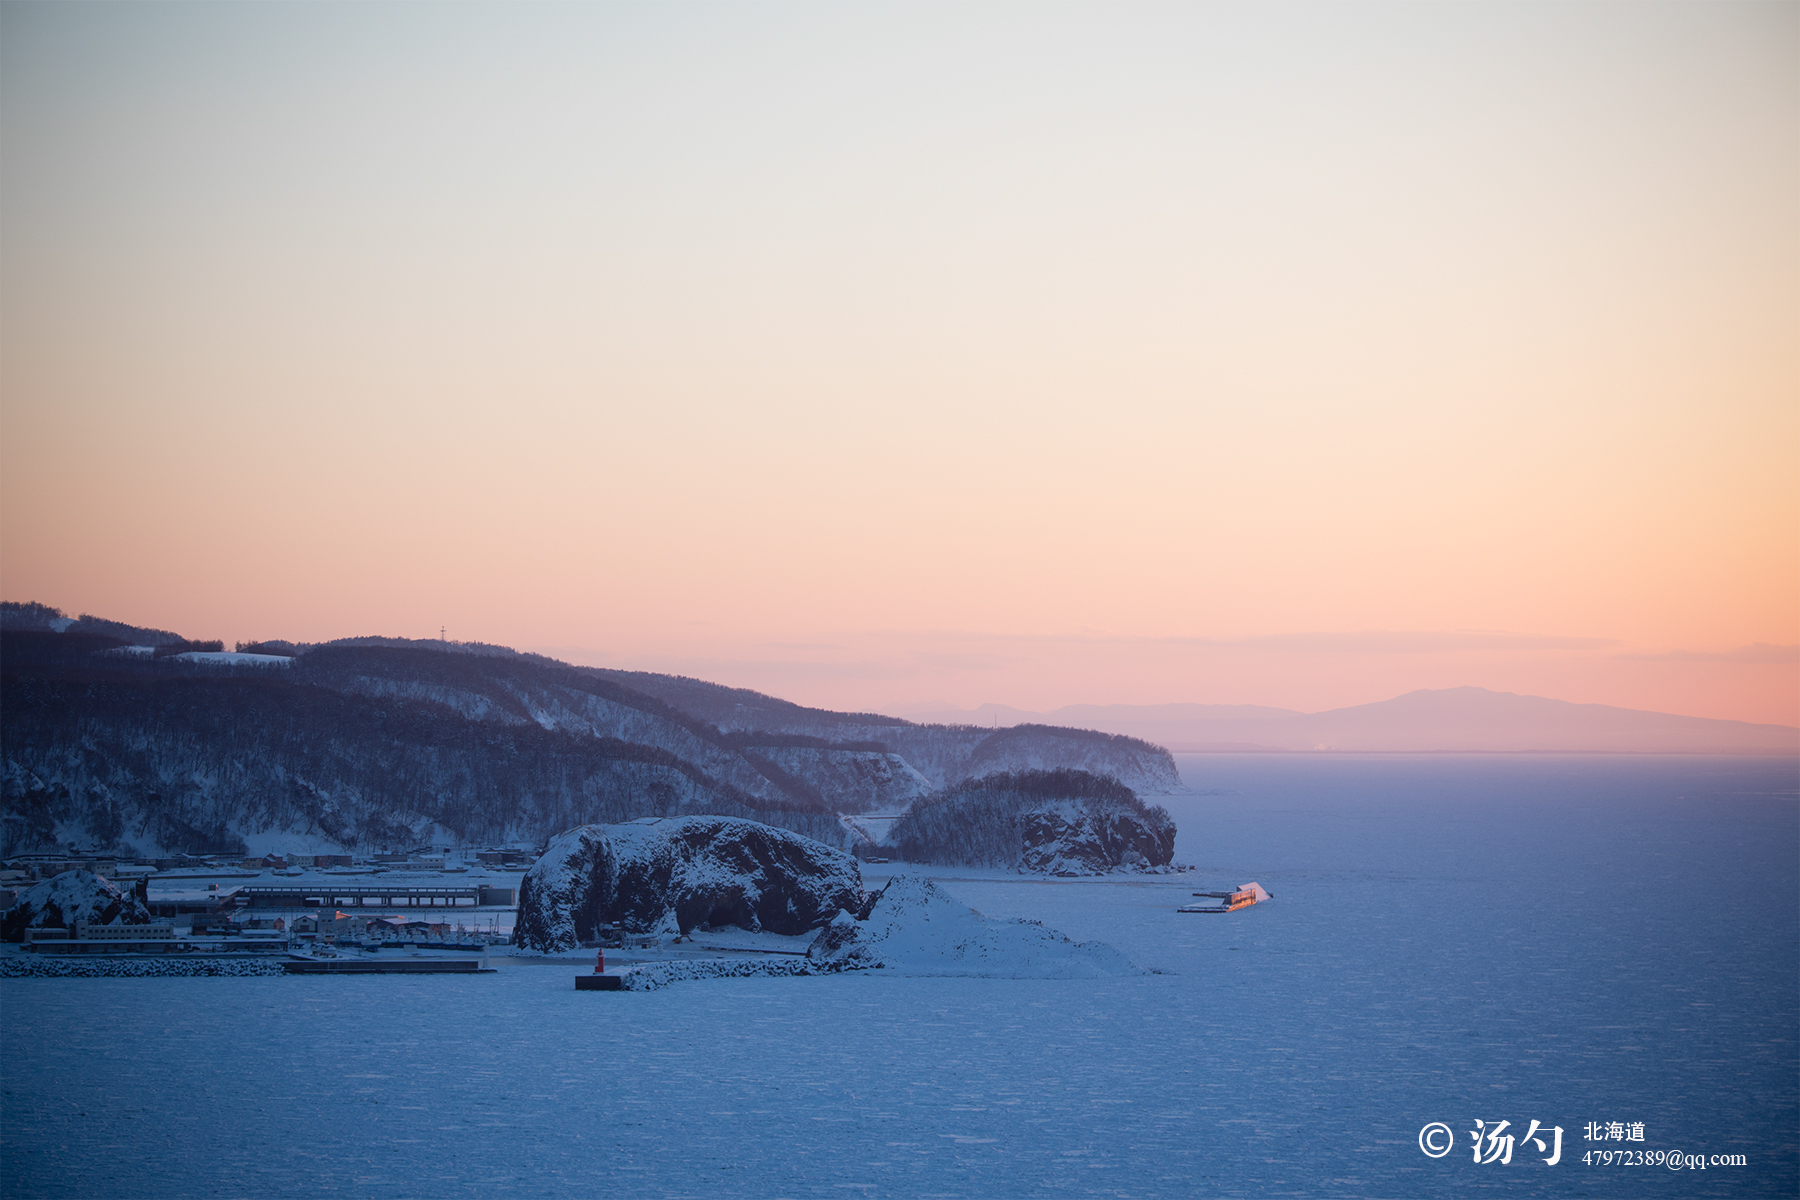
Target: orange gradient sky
(869, 355)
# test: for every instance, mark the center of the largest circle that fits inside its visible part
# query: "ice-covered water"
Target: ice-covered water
(1555, 939)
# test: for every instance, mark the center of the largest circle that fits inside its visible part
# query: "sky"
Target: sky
(874, 355)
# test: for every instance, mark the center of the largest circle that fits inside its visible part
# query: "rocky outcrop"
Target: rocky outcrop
(1072, 837)
(60, 901)
(914, 928)
(1046, 822)
(675, 875)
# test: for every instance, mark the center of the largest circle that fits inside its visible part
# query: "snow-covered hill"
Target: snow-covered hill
(380, 742)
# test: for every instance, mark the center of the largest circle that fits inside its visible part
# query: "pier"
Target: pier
(404, 966)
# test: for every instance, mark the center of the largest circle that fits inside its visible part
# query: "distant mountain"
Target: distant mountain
(1451, 720)
(386, 742)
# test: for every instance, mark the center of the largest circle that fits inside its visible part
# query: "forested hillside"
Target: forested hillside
(177, 747)
(1062, 822)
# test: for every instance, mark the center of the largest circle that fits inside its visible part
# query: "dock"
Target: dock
(1244, 897)
(386, 966)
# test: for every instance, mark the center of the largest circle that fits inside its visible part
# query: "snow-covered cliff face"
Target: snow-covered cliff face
(914, 928)
(676, 875)
(1050, 822)
(1070, 837)
(851, 781)
(62, 900)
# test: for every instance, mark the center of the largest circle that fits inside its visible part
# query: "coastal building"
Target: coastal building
(344, 894)
(197, 902)
(104, 939)
(49, 866)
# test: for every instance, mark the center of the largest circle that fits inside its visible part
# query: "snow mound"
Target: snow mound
(915, 929)
(675, 875)
(59, 902)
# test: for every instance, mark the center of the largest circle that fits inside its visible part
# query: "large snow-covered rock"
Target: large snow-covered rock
(1071, 837)
(1049, 822)
(62, 900)
(677, 874)
(914, 928)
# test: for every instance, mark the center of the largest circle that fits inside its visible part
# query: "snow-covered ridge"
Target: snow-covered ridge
(1141, 766)
(853, 781)
(366, 747)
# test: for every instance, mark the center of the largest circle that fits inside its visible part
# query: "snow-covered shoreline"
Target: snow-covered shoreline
(32, 966)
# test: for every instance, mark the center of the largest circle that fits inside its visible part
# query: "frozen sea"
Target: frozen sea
(1566, 940)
